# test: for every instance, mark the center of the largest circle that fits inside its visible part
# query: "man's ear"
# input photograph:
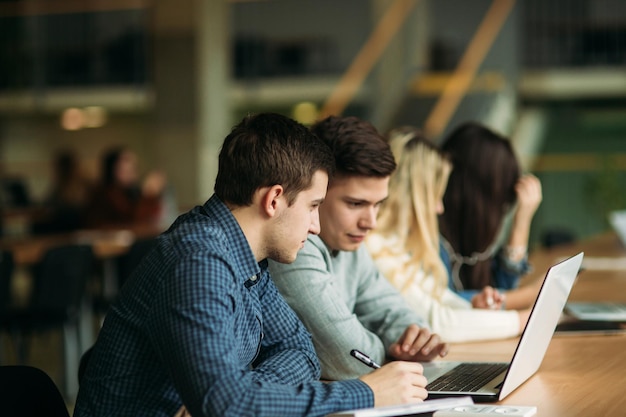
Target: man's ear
(271, 199)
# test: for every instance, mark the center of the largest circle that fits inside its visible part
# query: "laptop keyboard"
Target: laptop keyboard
(467, 377)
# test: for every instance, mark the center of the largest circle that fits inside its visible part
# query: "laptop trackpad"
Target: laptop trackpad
(435, 369)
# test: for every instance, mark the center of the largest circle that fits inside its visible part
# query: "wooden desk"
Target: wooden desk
(105, 243)
(580, 375)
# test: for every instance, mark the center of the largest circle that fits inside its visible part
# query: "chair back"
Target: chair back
(131, 259)
(60, 279)
(26, 391)
(6, 275)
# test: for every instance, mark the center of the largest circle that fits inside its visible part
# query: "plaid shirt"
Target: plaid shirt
(201, 323)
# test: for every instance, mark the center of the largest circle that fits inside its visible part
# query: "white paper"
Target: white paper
(406, 409)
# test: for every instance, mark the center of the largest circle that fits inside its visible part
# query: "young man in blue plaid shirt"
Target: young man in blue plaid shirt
(200, 327)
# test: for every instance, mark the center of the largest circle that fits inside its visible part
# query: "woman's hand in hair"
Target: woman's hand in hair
(529, 196)
(528, 190)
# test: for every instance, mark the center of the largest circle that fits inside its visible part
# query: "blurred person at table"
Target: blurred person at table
(334, 286)
(121, 199)
(64, 205)
(489, 207)
(405, 245)
(200, 329)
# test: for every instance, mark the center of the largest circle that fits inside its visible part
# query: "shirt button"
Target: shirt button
(253, 278)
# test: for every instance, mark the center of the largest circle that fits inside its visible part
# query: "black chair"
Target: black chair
(127, 262)
(58, 301)
(6, 276)
(15, 192)
(121, 267)
(26, 391)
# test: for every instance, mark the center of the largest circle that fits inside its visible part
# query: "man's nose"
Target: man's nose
(314, 227)
(368, 220)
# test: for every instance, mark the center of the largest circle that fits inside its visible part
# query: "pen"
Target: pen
(364, 358)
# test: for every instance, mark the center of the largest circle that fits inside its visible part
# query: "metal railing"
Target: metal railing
(454, 87)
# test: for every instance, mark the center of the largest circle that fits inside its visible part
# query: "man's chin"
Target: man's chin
(286, 259)
(350, 247)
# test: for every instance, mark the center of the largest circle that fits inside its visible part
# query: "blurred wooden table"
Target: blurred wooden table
(28, 250)
(107, 245)
(580, 375)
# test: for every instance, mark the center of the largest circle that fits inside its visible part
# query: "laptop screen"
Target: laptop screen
(541, 323)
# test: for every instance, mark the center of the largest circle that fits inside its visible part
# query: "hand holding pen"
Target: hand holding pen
(364, 358)
(397, 382)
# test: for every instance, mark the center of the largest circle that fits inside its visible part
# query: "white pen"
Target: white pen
(364, 358)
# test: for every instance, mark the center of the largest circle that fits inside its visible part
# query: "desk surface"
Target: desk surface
(105, 243)
(580, 375)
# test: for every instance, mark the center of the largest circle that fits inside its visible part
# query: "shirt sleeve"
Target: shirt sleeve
(191, 330)
(379, 305)
(287, 354)
(471, 324)
(310, 287)
(507, 273)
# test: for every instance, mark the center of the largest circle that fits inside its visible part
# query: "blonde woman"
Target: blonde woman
(405, 246)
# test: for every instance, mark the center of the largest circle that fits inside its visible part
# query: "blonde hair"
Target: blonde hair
(409, 215)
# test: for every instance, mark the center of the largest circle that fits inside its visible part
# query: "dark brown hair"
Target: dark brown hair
(110, 160)
(359, 149)
(480, 191)
(268, 149)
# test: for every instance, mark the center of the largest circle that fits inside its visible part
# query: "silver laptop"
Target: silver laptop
(597, 310)
(486, 382)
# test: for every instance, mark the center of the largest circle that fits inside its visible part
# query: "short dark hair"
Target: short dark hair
(266, 149)
(359, 149)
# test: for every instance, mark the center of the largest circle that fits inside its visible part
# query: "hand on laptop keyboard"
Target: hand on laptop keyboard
(418, 344)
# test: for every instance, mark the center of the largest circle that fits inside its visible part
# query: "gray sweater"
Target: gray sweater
(345, 303)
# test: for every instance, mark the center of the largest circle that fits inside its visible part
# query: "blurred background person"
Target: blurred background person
(405, 245)
(65, 202)
(121, 199)
(489, 208)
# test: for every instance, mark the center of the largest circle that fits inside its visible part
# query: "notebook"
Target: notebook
(501, 378)
(598, 311)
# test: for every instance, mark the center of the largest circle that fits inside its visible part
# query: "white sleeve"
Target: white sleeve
(452, 317)
(455, 323)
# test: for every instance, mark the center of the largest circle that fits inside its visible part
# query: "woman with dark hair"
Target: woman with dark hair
(121, 200)
(485, 195)
(405, 245)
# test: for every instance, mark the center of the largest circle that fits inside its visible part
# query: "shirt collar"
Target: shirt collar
(251, 269)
